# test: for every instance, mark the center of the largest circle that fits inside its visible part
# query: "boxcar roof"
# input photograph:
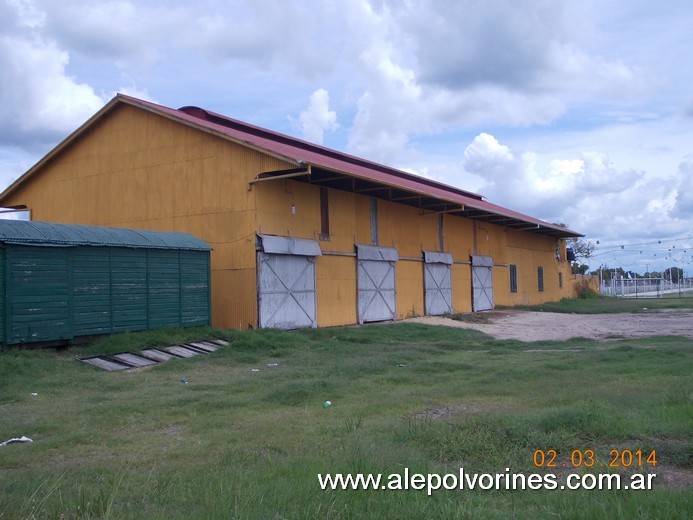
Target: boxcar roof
(49, 234)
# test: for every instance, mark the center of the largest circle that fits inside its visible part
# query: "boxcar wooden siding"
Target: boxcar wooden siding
(195, 305)
(56, 293)
(38, 298)
(91, 291)
(128, 290)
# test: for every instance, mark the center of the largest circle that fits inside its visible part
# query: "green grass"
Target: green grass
(234, 443)
(611, 305)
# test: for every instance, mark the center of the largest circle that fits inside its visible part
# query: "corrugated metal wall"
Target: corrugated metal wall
(59, 293)
(336, 290)
(177, 178)
(292, 208)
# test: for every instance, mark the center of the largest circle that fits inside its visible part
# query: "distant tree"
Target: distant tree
(577, 268)
(673, 274)
(609, 273)
(582, 249)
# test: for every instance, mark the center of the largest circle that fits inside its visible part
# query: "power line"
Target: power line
(611, 243)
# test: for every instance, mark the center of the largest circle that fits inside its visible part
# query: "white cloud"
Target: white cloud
(277, 35)
(588, 193)
(110, 29)
(683, 205)
(433, 65)
(27, 13)
(688, 111)
(462, 44)
(517, 45)
(133, 91)
(487, 157)
(318, 117)
(40, 100)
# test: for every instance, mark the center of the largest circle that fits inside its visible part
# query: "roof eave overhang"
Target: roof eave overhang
(517, 222)
(423, 200)
(391, 191)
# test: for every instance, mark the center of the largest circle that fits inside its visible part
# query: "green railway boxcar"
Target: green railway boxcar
(61, 281)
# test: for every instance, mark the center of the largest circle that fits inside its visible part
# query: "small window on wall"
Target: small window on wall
(540, 278)
(324, 215)
(560, 280)
(513, 278)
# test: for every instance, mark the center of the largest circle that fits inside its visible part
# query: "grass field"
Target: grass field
(238, 443)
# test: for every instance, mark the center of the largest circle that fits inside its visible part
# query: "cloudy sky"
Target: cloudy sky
(573, 111)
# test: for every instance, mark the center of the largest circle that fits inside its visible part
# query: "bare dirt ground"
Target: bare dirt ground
(538, 326)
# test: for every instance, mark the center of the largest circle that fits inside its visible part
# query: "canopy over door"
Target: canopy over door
(438, 283)
(286, 282)
(376, 283)
(482, 283)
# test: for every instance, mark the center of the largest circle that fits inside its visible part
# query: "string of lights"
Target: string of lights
(655, 255)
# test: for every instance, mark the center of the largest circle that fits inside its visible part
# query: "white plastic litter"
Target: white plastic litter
(15, 439)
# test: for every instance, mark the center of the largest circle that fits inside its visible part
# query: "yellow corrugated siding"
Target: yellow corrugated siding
(141, 170)
(407, 228)
(234, 300)
(336, 290)
(274, 214)
(461, 288)
(347, 225)
(410, 289)
(458, 236)
(528, 252)
(489, 242)
(458, 239)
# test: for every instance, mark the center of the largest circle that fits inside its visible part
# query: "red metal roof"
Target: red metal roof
(297, 150)
(303, 153)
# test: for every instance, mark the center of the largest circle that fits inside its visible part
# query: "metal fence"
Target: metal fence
(647, 288)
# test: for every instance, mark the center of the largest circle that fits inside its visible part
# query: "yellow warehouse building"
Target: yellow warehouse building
(303, 236)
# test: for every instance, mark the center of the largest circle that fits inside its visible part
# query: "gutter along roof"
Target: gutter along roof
(326, 167)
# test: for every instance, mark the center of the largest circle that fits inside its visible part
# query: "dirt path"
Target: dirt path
(537, 326)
